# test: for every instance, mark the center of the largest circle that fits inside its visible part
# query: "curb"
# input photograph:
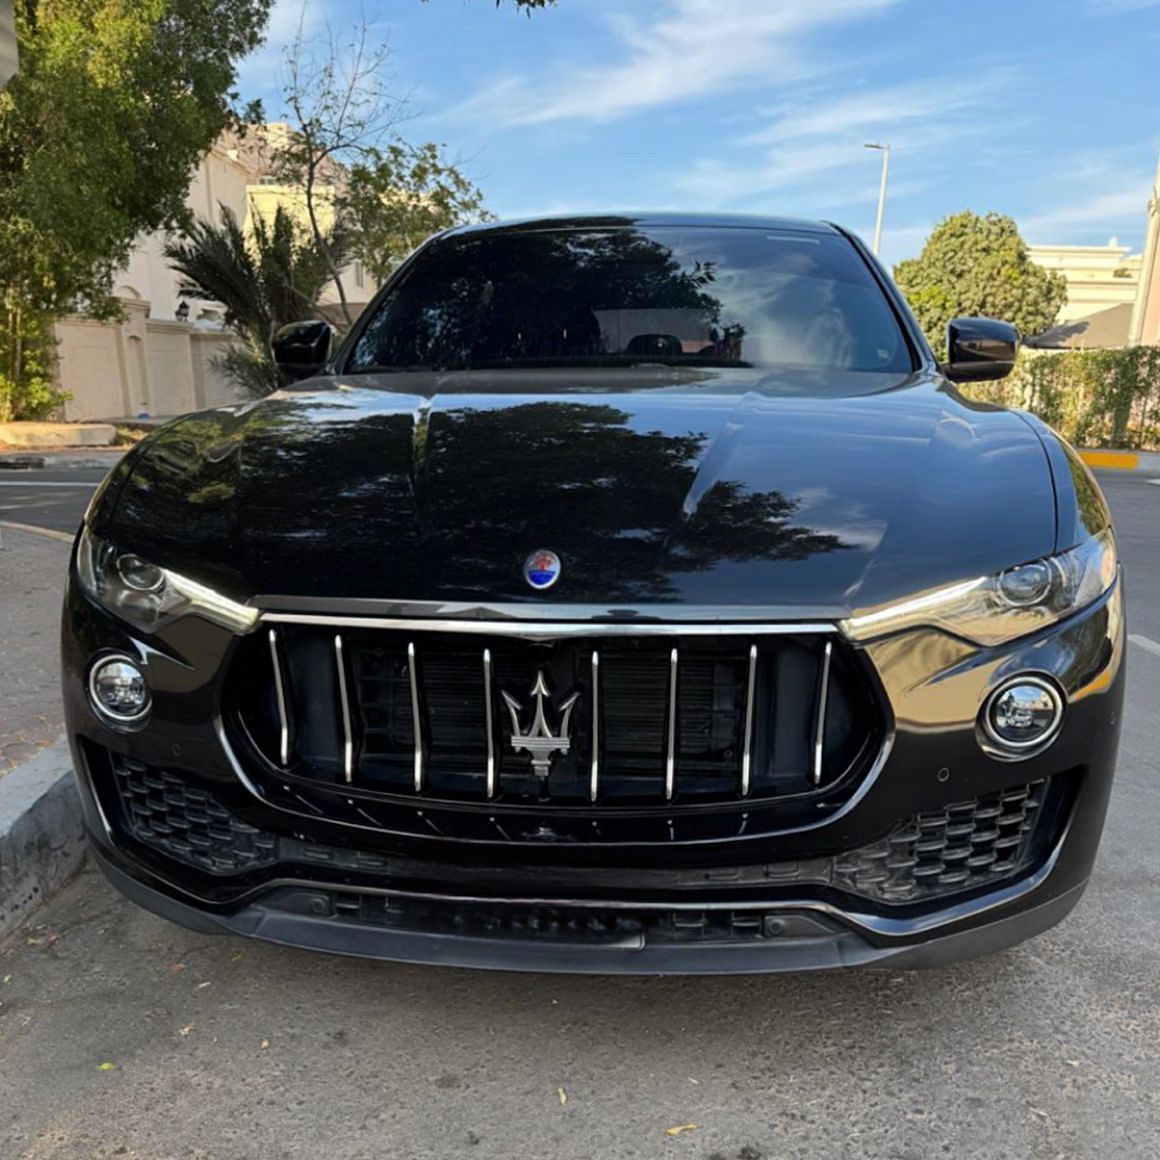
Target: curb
(42, 838)
(97, 458)
(1137, 461)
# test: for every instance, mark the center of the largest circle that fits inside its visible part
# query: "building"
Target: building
(158, 360)
(1113, 296)
(1144, 327)
(1102, 284)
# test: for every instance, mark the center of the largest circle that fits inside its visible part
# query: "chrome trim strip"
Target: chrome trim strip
(594, 776)
(671, 756)
(820, 726)
(415, 722)
(560, 628)
(271, 605)
(747, 746)
(347, 729)
(490, 723)
(280, 694)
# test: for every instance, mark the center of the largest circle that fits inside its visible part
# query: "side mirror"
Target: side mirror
(979, 349)
(303, 349)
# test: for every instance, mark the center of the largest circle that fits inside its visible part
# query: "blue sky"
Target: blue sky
(1048, 110)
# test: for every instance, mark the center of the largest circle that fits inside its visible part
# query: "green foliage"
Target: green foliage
(114, 103)
(26, 386)
(265, 281)
(399, 194)
(974, 265)
(1094, 398)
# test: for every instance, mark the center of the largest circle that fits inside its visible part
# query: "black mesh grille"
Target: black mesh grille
(964, 846)
(165, 812)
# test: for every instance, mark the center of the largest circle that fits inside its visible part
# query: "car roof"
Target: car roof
(613, 220)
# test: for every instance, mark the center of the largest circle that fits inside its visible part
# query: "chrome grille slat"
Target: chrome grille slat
(416, 722)
(747, 744)
(490, 717)
(344, 701)
(671, 756)
(594, 768)
(820, 710)
(280, 697)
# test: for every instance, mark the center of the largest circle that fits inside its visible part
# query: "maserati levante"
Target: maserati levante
(622, 594)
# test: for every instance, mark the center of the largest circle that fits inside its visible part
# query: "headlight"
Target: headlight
(994, 609)
(148, 596)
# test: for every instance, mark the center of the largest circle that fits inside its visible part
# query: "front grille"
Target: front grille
(961, 847)
(610, 721)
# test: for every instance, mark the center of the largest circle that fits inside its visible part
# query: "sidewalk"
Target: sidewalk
(32, 573)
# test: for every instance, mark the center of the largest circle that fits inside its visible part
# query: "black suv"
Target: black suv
(626, 594)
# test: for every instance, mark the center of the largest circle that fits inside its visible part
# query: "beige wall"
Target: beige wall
(139, 366)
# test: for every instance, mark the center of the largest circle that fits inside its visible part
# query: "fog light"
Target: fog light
(1025, 713)
(118, 690)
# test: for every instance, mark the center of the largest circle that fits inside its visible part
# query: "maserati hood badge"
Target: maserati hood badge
(538, 739)
(542, 569)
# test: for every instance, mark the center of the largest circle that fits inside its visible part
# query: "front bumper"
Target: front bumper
(803, 943)
(726, 906)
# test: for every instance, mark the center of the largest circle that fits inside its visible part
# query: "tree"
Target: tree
(974, 265)
(100, 129)
(346, 157)
(400, 194)
(272, 278)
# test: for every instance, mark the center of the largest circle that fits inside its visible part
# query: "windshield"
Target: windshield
(633, 296)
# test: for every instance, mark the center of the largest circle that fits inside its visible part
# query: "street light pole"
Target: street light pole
(885, 151)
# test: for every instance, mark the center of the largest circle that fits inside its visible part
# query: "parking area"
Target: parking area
(121, 1035)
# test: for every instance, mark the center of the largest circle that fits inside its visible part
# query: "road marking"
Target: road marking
(32, 529)
(43, 483)
(1155, 481)
(1146, 644)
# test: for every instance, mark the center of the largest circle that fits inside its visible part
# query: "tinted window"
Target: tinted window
(630, 296)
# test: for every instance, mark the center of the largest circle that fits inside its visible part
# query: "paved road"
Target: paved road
(47, 499)
(123, 1036)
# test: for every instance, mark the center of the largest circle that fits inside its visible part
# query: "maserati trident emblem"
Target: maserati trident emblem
(539, 740)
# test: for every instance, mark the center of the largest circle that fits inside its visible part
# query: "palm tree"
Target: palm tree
(264, 281)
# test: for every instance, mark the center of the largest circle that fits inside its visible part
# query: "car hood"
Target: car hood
(658, 487)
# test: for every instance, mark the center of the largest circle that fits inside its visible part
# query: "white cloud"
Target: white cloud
(878, 112)
(1124, 209)
(696, 48)
(804, 141)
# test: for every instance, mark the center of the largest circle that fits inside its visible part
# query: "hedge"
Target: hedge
(1094, 398)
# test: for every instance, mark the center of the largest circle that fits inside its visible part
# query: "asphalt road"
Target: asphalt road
(121, 1035)
(47, 499)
